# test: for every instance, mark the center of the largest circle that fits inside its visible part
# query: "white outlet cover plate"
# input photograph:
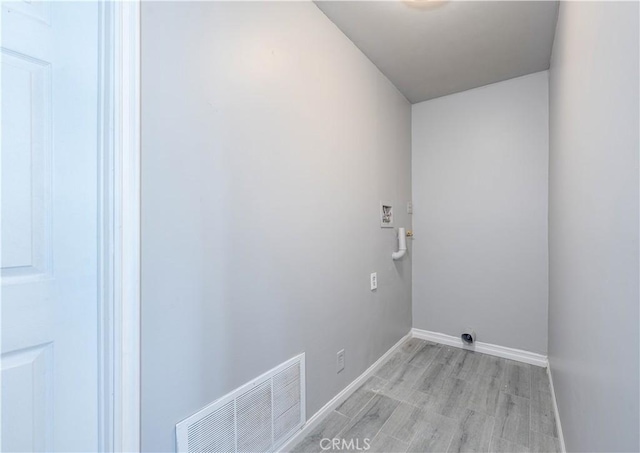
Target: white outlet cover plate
(374, 281)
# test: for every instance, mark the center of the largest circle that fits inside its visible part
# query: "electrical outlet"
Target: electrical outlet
(340, 361)
(409, 207)
(374, 281)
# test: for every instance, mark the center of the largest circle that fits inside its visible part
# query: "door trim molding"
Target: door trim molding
(119, 227)
(127, 234)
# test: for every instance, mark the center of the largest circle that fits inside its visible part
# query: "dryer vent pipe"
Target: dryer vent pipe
(468, 337)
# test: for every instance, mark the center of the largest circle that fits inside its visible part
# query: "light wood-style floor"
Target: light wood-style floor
(434, 398)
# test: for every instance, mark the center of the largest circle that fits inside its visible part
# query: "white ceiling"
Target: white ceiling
(431, 49)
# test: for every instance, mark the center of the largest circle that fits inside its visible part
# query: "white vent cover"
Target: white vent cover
(257, 417)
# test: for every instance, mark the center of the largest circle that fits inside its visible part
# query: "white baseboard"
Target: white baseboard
(519, 355)
(340, 397)
(555, 410)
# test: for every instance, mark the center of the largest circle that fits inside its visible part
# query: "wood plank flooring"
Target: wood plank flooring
(434, 398)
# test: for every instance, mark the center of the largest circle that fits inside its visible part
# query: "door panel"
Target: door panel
(49, 213)
(27, 388)
(26, 168)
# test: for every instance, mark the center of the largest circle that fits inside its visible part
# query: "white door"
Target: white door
(49, 226)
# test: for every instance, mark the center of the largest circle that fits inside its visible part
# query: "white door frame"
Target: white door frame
(119, 232)
(127, 383)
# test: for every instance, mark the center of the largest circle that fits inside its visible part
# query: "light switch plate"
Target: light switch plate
(374, 281)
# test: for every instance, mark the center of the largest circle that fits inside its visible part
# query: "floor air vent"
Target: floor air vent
(257, 417)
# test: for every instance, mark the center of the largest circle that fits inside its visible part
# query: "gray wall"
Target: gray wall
(480, 175)
(593, 225)
(268, 142)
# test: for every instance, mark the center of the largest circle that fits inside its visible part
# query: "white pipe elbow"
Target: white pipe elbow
(399, 254)
(402, 245)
